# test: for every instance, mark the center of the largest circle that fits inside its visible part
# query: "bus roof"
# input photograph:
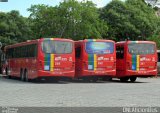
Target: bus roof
(34, 41)
(94, 40)
(122, 42)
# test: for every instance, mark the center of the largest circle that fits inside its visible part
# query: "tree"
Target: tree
(13, 28)
(71, 19)
(130, 19)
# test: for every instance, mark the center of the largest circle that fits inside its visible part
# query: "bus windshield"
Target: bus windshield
(141, 48)
(56, 47)
(99, 47)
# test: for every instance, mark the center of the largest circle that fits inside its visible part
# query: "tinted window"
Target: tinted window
(141, 48)
(99, 47)
(22, 51)
(56, 47)
(120, 52)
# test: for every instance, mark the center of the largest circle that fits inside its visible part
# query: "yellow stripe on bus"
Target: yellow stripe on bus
(95, 62)
(52, 62)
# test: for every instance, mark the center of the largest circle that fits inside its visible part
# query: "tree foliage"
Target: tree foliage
(130, 19)
(13, 28)
(71, 19)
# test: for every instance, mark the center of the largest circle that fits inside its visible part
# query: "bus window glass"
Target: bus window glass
(158, 56)
(56, 47)
(141, 48)
(99, 47)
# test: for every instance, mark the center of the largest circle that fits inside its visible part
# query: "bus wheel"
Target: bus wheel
(107, 78)
(133, 79)
(8, 76)
(124, 79)
(26, 75)
(22, 75)
(86, 79)
(94, 79)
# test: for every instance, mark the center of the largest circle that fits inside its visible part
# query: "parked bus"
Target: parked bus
(158, 61)
(1, 54)
(136, 59)
(95, 58)
(41, 58)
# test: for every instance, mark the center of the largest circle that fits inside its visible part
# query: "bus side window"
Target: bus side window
(120, 52)
(78, 52)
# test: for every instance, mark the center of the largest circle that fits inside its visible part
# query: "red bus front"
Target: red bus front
(95, 58)
(56, 58)
(139, 59)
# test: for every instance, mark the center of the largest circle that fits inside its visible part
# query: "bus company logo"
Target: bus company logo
(100, 58)
(145, 59)
(9, 110)
(58, 58)
(64, 59)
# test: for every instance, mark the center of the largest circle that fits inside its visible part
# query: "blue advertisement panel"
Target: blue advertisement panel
(99, 47)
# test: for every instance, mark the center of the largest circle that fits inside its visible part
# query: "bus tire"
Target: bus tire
(107, 78)
(8, 76)
(94, 79)
(86, 79)
(124, 79)
(26, 76)
(22, 75)
(133, 79)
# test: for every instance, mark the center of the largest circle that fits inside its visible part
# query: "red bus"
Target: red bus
(95, 58)
(158, 62)
(136, 59)
(41, 58)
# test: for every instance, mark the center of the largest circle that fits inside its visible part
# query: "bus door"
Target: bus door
(120, 59)
(79, 60)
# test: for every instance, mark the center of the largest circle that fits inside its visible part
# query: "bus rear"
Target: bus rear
(96, 59)
(140, 60)
(56, 58)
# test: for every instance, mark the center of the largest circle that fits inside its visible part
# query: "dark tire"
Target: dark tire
(86, 79)
(8, 76)
(124, 79)
(22, 78)
(26, 76)
(94, 79)
(133, 79)
(107, 78)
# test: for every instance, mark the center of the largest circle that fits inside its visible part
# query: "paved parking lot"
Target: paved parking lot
(144, 92)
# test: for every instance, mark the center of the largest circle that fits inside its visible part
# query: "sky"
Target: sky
(22, 5)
